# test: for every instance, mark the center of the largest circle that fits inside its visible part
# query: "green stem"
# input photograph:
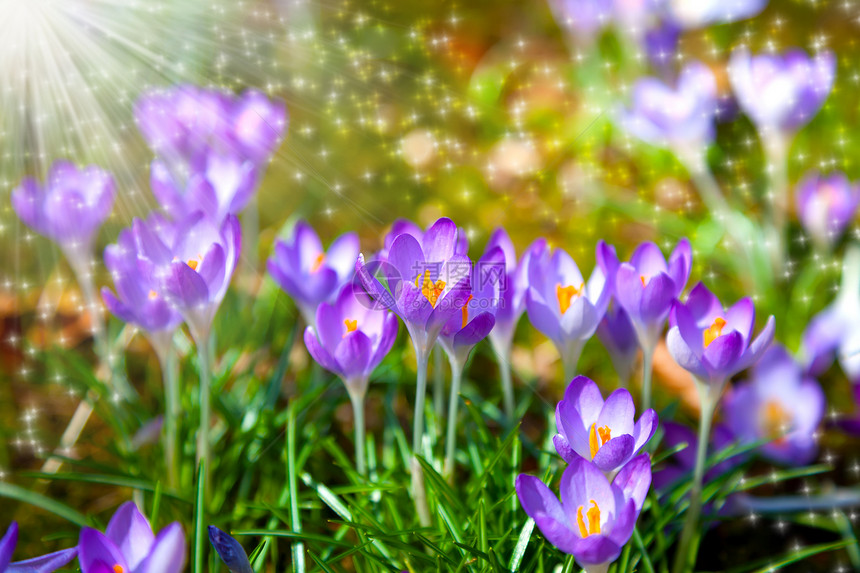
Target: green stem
(438, 383)
(685, 558)
(647, 373)
(453, 403)
(507, 383)
(357, 399)
(570, 359)
(295, 517)
(418, 492)
(203, 457)
(170, 375)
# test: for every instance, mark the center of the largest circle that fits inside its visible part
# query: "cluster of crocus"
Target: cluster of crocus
(212, 147)
(605, 483)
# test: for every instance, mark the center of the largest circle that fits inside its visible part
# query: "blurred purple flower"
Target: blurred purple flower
(561, 305)
(309, 274)
(137, 300)
(595, 518)
(184, 123)
(230, 551)
(222, 186)
(461, 333)
(826, 205)
(646, 286)
(68, 208)
(350, 339)
(675, 117)
(680, 465)
(617, 334)
(781, 93)
(427, 281)
(44, 564)
(603, 433)
(700, 13)
(129, 546)
(778, 403)
(661, 44)
(851, 424)
(583, 18)
(513, 288)
(714, 344)
(191, 265)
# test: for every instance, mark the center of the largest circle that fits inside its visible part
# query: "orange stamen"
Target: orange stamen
(776, 421)
(642, 278)
(714, 331)
(153, 295)
(118, 569)
(318, 262)
(431, 291)
(565, 294)
(351, 325)
(593, 515)
(597, 437)
(466, 312)
(193, 264)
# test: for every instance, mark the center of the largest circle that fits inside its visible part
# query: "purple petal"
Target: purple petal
(741, 317)
(703, 304)
(541, 316)
(657, 299)
(45, 563)
(648, 260)
(185, 287)
(7, 545)
(131, 533)
(168, 552)
(342, 255)
(543, 506)
(563, 448)
(386, 340)
(353, 354)
(95, 546)
(581, 483)
(680, 262)
(644, 428)
(683, 354)
(634, 480)
(440, 241)
(408, 258)
(618, 412)
(230, 551)
(722, 354)
(614, 453)
(318, 352)
(629, 290)
(475, 330)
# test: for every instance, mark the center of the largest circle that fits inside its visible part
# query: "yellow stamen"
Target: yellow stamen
(466, 312)
(593, 515)
(598, 437)
(431, 291)
(351, 325)
(565, 294)
(776, 421)
(118, 569)
(318, 262)
(153, 295)
(193, 264)
(714, 331)
(642, 278)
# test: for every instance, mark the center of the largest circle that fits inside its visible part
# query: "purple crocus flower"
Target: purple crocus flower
(191, 266)
(646, 286)
(407, 227)
(781, 93)
(617, 334)
(44, 564)
(350, 339)
(602, 432)
(700, 13)
(223, 185)
(561, 304)
(712, 343)
(183, 123)
(230, 551)
(308, 273)
(427, 282)
(514, 285)
(68, 208)
(681, 464)
(778, 403)
(679, 117)
(137, 300)
(594, 518)
(460, 334)
(129, 546)
(826, 205)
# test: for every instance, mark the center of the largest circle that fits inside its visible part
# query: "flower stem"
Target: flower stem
(205, 408)
(418, 492)
(438, 383)
(647, 373)
(357, 399)
(507, 382)
(685, 558)
(451, 437)
(170, 375)
(569, 359)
